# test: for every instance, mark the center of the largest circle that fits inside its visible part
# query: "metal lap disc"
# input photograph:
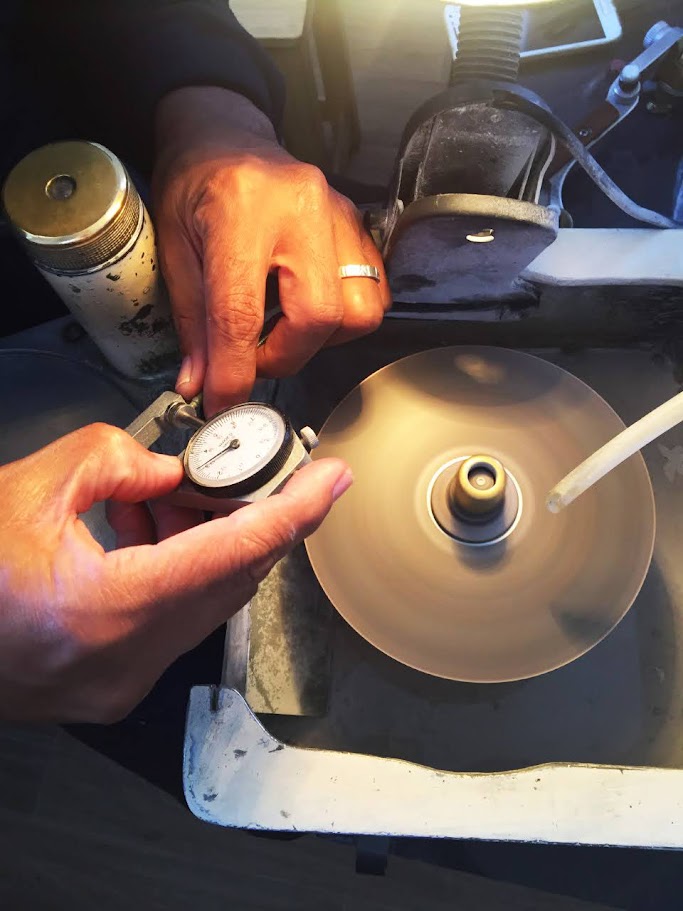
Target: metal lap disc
(541, 596)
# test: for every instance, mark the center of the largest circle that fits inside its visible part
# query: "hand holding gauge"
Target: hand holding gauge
(85, 633)
(243, 454)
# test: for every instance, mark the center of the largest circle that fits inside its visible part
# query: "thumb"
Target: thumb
(101, 462)
(244, 546)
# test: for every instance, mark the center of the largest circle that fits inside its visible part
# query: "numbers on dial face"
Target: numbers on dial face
(235, 445)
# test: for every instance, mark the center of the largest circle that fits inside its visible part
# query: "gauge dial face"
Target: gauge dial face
(235, 445)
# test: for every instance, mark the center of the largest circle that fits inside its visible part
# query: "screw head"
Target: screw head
(629, 76)
(309, 439)
(486, 236)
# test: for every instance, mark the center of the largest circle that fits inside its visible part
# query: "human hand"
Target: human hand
(231, 206)
(85, 634)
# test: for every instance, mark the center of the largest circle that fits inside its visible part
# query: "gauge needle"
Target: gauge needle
(233, 444)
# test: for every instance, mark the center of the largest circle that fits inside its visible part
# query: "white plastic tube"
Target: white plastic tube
(620, 448)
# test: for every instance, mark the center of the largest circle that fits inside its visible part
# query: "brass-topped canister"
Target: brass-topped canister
(73, 205)
(78, 214)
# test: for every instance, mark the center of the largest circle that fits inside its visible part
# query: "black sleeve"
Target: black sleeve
(111, 61)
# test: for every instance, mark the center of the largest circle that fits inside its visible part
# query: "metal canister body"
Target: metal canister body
(82, 221)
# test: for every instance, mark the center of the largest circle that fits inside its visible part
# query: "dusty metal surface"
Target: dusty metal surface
(455, 249)
(236, 650)
(290, 648)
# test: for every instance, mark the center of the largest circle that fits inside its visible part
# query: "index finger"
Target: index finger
(235, 271)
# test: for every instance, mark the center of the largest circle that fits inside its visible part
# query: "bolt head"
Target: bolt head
(309, 439)
(485, 236)
(655, 33)
(629, 76)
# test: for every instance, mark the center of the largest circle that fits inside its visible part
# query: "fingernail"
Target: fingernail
(169, 460)
(342, 485)
(185, 374)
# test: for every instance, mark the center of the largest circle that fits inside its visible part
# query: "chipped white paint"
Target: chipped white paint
(123, 306)
(236, 774)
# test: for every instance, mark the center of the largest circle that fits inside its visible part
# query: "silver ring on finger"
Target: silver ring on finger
(360, 270)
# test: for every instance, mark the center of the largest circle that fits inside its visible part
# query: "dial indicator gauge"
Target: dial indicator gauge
(238, 448)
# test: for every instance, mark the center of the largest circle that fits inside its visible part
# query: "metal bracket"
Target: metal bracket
(622, 98)
(167, 412)
(236, 774)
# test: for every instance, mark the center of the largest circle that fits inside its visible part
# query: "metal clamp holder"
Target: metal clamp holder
(169, 411)
(622, 99)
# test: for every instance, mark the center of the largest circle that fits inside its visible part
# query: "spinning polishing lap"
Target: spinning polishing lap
(542, 596)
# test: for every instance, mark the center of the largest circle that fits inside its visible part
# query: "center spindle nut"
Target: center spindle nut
(475, 500)
(477, 490)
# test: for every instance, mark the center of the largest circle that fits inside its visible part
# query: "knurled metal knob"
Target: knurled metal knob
(478, 488)
(309, 439)
(73, 205)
